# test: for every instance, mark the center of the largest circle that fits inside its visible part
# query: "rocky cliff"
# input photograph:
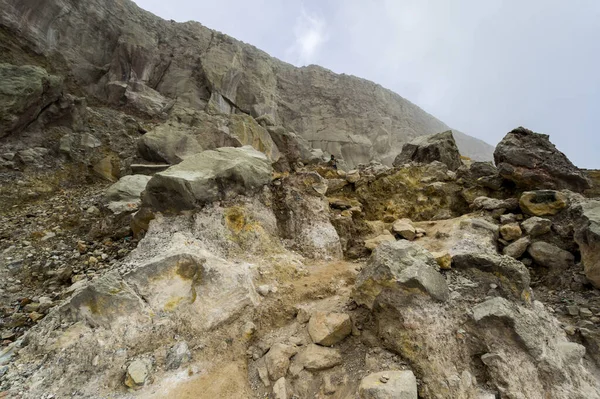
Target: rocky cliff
(116, 54)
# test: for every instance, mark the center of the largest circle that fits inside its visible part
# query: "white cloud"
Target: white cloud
(310, 34)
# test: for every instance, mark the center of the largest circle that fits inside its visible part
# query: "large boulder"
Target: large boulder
(24, 92)
(425, 149)
(207, 177)
(587, 236)
(168, 143)
(532, 162)
(399, 269)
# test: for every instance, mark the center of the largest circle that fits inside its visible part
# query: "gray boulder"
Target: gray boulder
(207, 177)
(398, 269)
(587, 236)
(550, 256)
(532, 162)
(24, 92)
(389, 384)
(437, 147)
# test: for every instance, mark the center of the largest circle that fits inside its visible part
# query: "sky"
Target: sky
(483, 67)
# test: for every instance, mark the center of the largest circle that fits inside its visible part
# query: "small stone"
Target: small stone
(585, 312)
(263, 290)
(35, 316)
(443, 259)
(405, 229)
(570, 330)
(92, 210)
(493, 286)
(179, 354)
(48, 236)
(303, 315)
(92, 260)
(137, 374)
(573, 310)
(384, 378)
(249, 329)
(352, 176)
(279, 389)
(536, 226)
(508, 218)
(277, 360)
(490, 358)
(511, 231)
(517, 248)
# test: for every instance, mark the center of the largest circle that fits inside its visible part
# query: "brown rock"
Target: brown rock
(329, 328)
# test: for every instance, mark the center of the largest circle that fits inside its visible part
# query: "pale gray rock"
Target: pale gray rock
(280, 389)
(397, 269)
(511, 231)
(397, 385)
(168, 143)
(207, 177)
(125, 195)
(278, 360)
(138, 372)
(550, 256)
(438, 147)
(328, 329)
(315, 358)
(536, 226)
(89, 141)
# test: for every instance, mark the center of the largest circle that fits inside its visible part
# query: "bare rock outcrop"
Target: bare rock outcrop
(136, 59)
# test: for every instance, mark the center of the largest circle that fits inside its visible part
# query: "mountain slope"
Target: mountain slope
(117, 53)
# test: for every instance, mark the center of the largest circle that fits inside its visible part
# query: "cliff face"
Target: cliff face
(118, 54)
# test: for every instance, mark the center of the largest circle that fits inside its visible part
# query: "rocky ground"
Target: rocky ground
(417, 280)
(171, 225)
(47, 245)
